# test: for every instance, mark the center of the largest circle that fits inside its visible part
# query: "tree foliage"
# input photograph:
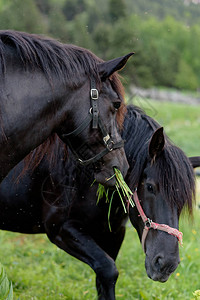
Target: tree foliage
(165, 35)
(117, 9)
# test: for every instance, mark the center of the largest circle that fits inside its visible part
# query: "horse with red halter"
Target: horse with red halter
(48, 87)
(58, 198)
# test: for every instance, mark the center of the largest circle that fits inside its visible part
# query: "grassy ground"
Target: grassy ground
(40, 271)
(180, 121)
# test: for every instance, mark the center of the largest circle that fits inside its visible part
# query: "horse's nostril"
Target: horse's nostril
(159, 263)
(163, 265)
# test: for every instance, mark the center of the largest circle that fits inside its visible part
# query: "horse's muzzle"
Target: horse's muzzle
(115, 159)
(161, 267)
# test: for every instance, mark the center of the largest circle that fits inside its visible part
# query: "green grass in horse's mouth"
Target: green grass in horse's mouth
(121, 188)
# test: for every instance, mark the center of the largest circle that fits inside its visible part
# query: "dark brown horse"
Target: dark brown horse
(48, 87)
(57, 198)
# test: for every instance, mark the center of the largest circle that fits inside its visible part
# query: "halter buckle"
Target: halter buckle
(108, 142)
(94, 94)
(110, 146)
(106, 139)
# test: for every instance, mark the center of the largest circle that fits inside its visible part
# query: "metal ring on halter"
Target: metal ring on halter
(147, 223)
(80, 160)
(110, 146)
(90, 110)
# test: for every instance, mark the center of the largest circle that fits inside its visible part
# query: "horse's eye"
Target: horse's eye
(150, 188)
(117, 105)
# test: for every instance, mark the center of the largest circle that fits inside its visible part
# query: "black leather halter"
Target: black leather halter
(94, 117)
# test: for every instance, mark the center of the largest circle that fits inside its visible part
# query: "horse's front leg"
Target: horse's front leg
(111, 244)
(72, 239)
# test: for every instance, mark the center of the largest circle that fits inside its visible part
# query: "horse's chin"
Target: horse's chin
(156, 276)
(156, 273)
(105, 178)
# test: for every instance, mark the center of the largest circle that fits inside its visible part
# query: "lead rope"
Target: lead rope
(148, 224)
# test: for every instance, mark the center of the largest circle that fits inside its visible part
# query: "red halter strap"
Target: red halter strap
(148, 224)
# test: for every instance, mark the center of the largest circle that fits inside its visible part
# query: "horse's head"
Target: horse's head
(166, 185)
(95, 123)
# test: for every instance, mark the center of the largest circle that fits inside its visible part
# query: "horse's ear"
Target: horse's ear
(195, 161)
(107, 68)
(157, 143)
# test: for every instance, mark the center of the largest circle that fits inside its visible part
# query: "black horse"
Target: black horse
(58, 199)
(48, 87)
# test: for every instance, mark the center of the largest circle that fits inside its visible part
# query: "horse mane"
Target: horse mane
(51, 150)
(173, 167)
(68, 62)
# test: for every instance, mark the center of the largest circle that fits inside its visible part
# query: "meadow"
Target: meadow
(40, 271)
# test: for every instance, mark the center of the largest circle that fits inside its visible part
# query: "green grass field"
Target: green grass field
(40, 271)
(180, 121)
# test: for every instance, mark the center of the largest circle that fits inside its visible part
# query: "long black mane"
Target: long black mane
(66, 61)
(173, 169)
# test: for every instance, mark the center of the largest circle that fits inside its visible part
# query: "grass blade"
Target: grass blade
(123, 190)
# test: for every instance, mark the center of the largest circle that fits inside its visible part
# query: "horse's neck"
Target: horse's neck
(30, 111)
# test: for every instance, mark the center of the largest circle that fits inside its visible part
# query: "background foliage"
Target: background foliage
(165, 35)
